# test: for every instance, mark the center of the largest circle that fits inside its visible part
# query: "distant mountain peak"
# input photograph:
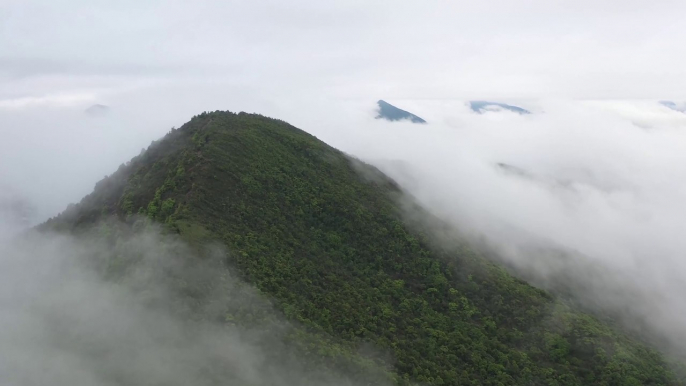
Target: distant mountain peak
(97, 110)
(391, 113)
(484, 106)
(680, 107)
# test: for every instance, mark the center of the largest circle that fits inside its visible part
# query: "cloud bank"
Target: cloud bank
(587, 197)
(142, 309)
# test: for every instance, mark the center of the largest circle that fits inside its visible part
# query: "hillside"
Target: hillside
(324, 237)
(391, 113)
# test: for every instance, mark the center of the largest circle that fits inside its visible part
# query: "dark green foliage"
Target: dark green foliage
(330, 246)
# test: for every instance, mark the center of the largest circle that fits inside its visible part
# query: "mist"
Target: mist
(581, 197)
(584, 196)
(588, 202)
(138, 309)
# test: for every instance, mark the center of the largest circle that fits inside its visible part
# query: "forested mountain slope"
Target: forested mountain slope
(329, 244)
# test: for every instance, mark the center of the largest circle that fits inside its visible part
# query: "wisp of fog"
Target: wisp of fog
(588, 194)
(147, 310)
(584, 198)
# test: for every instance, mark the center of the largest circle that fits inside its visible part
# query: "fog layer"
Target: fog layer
(586, 193)
(142, 310)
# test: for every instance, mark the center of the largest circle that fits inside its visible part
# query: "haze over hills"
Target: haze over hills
(490, 246)
(15, 210)
(570, 182)
(97, 110)
(329, 240)
(391, 113)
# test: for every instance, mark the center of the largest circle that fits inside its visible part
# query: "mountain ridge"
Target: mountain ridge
(332, 248)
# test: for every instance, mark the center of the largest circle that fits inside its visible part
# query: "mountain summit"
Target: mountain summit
(391, 113)
(680, 107)
(484, 106)
(324, 238)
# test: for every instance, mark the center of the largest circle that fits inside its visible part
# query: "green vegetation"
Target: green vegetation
(328, 243)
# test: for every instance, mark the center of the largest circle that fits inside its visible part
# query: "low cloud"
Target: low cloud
(601, 184)
(589, 204)
(141, 309)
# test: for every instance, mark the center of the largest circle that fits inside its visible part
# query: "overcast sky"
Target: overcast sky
(71, 50)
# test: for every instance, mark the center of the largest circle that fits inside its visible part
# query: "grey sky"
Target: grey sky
(603, 183)
(438, 49)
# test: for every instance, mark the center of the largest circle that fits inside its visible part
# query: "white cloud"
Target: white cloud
(534, 49)
(89, 311)
(55, 100)
(597, 185)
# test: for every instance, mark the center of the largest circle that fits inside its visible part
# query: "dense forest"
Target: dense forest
(324, 239)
